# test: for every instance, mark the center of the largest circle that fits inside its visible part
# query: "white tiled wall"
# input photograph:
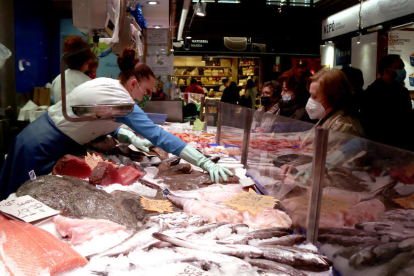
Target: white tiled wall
(364, 56)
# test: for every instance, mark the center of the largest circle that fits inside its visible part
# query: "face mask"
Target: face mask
(401, 75)
(287, 97)
(266, 101)
(315, 109)
(142, 103)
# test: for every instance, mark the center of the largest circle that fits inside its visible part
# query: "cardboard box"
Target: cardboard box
(41, 96)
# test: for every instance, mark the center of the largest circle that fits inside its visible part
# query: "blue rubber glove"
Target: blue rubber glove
(193, 156)
(127, 136)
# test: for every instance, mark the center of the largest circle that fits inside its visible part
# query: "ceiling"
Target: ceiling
(250, 18)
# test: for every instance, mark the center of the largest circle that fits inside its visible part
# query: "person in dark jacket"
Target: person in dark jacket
(386, 110)
(230, 94)
(295, 95)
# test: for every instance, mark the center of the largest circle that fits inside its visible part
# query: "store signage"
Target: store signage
(158, 36)
(199, 43)
(372, 13)
(402, 44)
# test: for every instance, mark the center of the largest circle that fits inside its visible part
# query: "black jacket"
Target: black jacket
(386, 114)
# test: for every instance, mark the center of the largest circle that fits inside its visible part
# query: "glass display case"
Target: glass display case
(352, 198)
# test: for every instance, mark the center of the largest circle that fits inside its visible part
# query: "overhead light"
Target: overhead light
(200, 9)
(229, 1)
(157, 26)
(402, 26)
(188, 35)
(376, 28)
(162, 49)
(152, 2)
(359, 38)
(172, 50)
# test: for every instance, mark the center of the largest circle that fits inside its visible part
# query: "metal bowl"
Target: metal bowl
(103, 110)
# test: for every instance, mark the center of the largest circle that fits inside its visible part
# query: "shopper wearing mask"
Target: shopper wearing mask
(270, 96)
(386, 106)
(77, 65)
(294, 94)
(330, 102)
(43, 142)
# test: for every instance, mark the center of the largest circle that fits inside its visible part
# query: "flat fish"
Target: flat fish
(175, 181)
(160, 153)
(28, 250)
(174, 170)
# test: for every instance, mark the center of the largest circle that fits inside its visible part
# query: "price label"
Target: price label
(251, 202)
(159, 206)
(198, 125)
(27, 209)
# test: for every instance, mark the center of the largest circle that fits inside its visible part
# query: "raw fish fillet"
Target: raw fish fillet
(267, 218)
(81, 230)
(364, 211)
(129, 175)
(214, 212)
(215, 193)
(29, 250)
(105, 174)
(72, 166)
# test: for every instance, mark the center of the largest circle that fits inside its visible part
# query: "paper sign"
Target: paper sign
(251, 202)
(159, 206)
(198, 125)
(26, 208)
(32, 175)
(246, 182)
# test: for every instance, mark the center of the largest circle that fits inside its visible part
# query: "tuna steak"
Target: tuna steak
(105, 174)
(129, 175)
(72, 166)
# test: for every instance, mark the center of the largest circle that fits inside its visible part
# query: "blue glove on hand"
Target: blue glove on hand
(127, 136)
(193, 156)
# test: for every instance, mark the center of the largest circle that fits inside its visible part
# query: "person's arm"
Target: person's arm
(141, 124)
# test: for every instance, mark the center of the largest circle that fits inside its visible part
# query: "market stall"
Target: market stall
(126, 212)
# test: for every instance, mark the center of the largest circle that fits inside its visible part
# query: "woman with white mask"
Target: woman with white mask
(331, 102)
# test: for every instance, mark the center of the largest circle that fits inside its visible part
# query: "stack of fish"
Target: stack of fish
(385, 246)
(210, 248)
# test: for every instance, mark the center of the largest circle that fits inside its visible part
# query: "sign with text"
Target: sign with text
(372, 13)
(402, 43)
(251, 202)
(161, 65)
(158, 36)
(159, 206)
(27, 209)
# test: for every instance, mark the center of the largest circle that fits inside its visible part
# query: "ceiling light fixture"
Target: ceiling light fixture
(188, 35)
(200, 9)
(359, 38)
(152, 2)
(229, 1)
(157, 26)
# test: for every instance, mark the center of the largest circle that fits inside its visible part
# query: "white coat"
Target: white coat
(73, 78)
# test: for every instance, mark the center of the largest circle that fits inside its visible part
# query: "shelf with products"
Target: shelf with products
(220, 76)
(247, 75)
(202, 66)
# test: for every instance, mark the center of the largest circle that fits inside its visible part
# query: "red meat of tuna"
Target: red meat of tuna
(72, 166)
(129, 174)
(105, 174)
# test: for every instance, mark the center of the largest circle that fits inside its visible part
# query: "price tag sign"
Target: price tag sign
(159, 206)
(198, 125)
(27, 209)
(251, 202)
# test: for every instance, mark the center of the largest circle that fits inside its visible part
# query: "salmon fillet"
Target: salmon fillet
(28, 250)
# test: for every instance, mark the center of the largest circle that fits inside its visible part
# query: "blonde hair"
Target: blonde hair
(335, 86)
